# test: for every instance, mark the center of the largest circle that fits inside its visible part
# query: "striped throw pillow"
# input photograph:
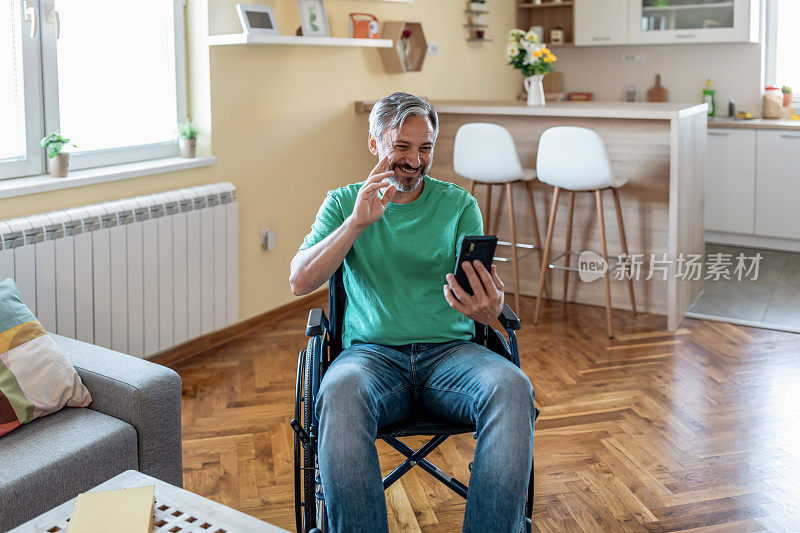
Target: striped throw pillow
(35, 377)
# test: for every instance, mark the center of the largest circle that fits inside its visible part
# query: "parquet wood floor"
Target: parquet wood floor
(651, 431)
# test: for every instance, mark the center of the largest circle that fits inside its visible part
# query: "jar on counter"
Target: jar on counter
(772, 102)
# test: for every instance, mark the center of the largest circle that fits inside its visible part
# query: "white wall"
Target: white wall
(734, 69)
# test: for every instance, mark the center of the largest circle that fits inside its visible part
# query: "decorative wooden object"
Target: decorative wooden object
(657, 93)
(418, 46)
(548, 15)
(553, 85)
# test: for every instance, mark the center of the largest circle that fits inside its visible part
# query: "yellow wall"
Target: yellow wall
(284, 128)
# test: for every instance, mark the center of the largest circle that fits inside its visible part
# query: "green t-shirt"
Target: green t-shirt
(395, 271)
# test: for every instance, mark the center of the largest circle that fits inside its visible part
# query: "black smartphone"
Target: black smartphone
(480, 247)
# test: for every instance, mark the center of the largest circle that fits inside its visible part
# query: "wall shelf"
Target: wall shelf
(242, 38)
(531, 5)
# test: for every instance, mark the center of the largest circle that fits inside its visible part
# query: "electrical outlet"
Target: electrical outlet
(631, 57)
(268, 239)
(433, 49)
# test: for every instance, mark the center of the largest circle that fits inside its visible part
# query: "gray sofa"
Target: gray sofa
(133, 422)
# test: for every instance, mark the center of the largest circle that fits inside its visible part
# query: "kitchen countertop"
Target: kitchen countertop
(620, 110)
(755, 123)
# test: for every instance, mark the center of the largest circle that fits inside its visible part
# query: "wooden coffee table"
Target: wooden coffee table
(177, 510)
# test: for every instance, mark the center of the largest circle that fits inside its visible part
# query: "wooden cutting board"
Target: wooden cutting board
(657, 93)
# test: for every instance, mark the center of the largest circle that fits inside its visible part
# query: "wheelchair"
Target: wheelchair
(324, 344)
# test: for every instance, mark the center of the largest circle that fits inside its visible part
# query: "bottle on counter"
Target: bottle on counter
(708, 97)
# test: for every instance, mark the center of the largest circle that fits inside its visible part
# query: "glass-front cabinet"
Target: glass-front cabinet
(699, 21)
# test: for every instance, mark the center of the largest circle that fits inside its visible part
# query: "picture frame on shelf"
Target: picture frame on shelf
(257, 19)
(313, 18)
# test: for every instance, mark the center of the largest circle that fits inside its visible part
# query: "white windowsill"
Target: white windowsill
(78, 178)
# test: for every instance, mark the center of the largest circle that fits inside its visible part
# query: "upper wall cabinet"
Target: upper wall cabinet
(692, 21)
(601, 23)
(610, 22)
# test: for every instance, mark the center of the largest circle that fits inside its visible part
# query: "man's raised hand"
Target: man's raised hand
(370, 206)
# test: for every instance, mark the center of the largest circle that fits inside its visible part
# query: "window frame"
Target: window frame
(33, 162)
(770, 56)
(43, 90)
(770, 42)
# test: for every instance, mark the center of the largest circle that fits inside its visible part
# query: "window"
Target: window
(783, 41)
(20, 113)
(108, 74)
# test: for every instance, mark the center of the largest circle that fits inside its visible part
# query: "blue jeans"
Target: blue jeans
(370, 386)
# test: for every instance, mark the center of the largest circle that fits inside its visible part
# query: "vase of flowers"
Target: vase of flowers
(404, 49)
(527, 53)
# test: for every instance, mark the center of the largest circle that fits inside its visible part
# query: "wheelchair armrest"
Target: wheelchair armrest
(509, 319)
(317, 322)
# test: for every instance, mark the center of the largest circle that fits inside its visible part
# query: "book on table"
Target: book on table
(121, 511)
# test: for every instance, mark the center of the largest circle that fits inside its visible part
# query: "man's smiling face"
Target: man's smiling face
(410, 152)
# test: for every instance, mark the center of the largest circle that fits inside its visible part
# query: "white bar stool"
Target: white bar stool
(574, 159)
(485, 154)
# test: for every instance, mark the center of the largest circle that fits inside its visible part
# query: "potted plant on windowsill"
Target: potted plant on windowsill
(187, 138)
(57, 161)
(787, 96)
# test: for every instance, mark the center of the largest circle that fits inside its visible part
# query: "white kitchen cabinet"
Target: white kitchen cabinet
(601, 23)
(730, 180)
(692, 21)
(778, 184)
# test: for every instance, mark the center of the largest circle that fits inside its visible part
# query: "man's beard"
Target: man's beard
(403, 184)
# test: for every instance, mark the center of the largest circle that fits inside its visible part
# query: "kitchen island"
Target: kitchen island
(659, 147)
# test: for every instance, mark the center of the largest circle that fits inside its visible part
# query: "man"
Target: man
(406, 336)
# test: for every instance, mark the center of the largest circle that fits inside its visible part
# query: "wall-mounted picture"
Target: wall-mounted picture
(313, 19)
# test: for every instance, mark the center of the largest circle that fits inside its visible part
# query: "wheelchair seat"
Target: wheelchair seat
(421, 423)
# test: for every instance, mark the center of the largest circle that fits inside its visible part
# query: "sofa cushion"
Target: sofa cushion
(53, 459)
(35, 377)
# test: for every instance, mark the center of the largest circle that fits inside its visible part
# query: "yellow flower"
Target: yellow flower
(537, 53)
(545, 50)
(551, 57)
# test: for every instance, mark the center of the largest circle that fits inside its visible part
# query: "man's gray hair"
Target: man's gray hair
(391, 112)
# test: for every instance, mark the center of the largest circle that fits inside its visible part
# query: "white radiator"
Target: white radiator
(138, 275)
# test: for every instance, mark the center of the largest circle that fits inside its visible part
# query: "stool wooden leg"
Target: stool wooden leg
(472, 188)
(604, 248)
(487, 214)
(547, 242)
(514, 258)
(569, 241)
(537, 240)
(498, 214)
(624, 246)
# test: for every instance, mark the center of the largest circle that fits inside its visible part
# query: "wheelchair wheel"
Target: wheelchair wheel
(298, 465)
(309, 505)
